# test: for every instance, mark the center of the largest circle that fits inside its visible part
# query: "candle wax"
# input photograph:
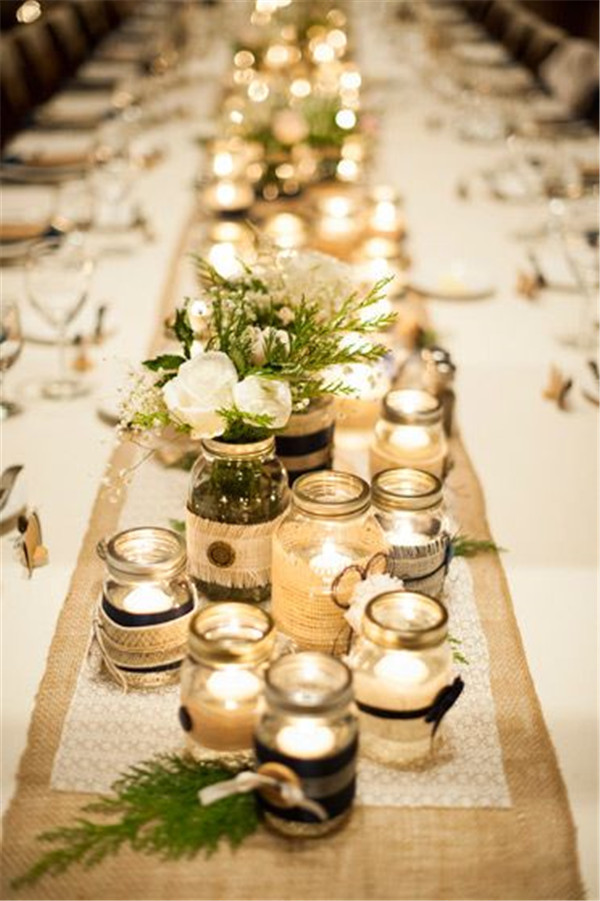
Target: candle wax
(330, 561)
(233, 686)
(147, 599)
(306, 740)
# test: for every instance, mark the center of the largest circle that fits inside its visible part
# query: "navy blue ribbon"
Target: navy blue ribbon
(435, 713)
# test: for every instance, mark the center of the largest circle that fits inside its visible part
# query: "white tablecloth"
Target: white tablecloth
(536, 463)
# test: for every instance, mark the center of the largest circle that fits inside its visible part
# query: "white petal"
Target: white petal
(260, 396)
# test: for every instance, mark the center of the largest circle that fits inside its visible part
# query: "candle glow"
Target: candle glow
(306, 740)
(329, 562)
(147, 599)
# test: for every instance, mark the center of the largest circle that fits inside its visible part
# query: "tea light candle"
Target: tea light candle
(287, 230)
(233, 686)
(306, 740)
(410, 433)
(329, 561)
(229, 196)
(147, 599)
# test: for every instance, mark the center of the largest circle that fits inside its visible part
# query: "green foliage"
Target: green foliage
(464, 546)
(457, 654)
(245, 427)
(178, 525)
(164, 361)
(184, 331)
(155, 810)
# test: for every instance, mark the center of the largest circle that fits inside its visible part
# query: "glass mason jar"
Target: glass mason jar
(410, 433)
(328, 532)
(308, 732)
(306, 444)
(147, 603)
(230, 645)
(237, 494)
(408, 505)
(402, 665)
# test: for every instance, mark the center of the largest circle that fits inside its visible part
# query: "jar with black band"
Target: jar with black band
(402, 665)
(408, 505)
(308, 734)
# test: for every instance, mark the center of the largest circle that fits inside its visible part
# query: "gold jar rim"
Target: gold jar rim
(249, 451)
(378, 626)
(406, 489)
(146, 552)
(309, 682)
(231, 632)
(411, 406)
(331, 494)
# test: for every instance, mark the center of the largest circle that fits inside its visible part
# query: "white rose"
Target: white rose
(198, 311)
(259, 396)
(202, 386)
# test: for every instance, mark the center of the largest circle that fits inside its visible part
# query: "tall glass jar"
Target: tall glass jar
(237, 494)
(328, 532)
(230, 645)
(410, 433)
(309, 732)
(408, 505)
(402, 665)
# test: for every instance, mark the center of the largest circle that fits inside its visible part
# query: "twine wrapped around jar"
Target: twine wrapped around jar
(422, 567)
(303, 606)
(142, 656)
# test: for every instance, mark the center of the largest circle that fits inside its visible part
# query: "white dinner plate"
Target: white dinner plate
(452, 280)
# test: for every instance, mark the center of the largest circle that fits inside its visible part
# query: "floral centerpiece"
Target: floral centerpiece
(254, 349)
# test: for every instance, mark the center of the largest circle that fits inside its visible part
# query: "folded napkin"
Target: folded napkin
(77, 106)
(571, 72)
(25, 212)
(47, 148)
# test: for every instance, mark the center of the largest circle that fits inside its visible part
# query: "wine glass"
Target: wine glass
(58, 274)
(11, 344)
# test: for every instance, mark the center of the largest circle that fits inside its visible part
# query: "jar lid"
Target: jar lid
(411, 406)
(331, 494)
(231, 632)
(228, 450)
(308, 682)
(406, 489)
(147, 552)
(405, 619)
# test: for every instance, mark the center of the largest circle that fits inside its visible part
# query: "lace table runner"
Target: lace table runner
(106, 731)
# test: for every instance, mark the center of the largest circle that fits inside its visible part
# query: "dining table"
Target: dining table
(536, 461)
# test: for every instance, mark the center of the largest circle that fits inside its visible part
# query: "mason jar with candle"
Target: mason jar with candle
(238, 493)
(403, 684)
(230, 644)
(410, 433)
(408, 504)
(147, 602)
(308, 736)
(329, 531)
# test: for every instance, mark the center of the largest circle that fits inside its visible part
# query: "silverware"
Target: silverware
(7, 483)
(533, 262)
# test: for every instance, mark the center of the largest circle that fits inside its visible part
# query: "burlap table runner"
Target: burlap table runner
(525, 851)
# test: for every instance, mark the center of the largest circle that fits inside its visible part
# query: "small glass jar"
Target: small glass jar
(147, 602)
(401, 662)
(408, 504)
(410, 433)
(237, 494)
(329, 530)
(309, 731)
(230, 645)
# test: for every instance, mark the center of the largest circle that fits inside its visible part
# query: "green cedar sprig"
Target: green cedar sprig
(465, 546)
(155, 810)
(457, 654)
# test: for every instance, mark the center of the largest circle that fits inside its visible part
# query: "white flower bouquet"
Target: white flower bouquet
(256, 347)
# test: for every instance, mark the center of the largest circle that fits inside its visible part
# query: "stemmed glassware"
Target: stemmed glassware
(58, 275)
(11, 343)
